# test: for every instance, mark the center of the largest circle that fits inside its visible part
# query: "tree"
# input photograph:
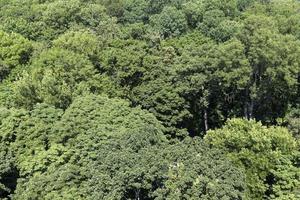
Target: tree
(210, 77)
(194, 68)
(8, 172)
(156, 6)
(228, 7)
(77, 119)
(123, 62)
(160, 98)
(170, 22)
(14, 51)
(55, 78)
(158, 93)
(46, 20)
(59, 163)
(83, 42)
(292, 121)
(142, 99)
(194, 11)
(268, 155)
(135, 11)
(274, 61)
(162, 172)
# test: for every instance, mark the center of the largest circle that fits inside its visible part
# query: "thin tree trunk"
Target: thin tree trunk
(251, 106)
(246, 105)
(298, 92)
(246, 109)
(205, 119)
(137, 194)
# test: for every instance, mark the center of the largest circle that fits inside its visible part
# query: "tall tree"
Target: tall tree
(15, 51)
(268, 155)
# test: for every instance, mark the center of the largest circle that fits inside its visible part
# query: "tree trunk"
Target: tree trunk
(246, 104)
(298, 92)
(137, 194)
(246, 109)
(205, 120)
(251, 106)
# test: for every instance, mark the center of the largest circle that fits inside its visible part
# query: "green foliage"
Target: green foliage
(170, 22)
(158, 94)
(55, 78)
(209, 77)
(187, 170)
(72, 141)
(275, 64)
(123, 62)
(108, 99)
(46, 20)
(43, 83)
(194, 11)
(160, 98)
(266, 153)
(293, 121)
(135, 11)
(8, 172)
(91, 114)
(83, 42)
(112, 151)
(14, 51)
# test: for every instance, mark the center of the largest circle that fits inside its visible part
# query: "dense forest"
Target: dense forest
(150, 99)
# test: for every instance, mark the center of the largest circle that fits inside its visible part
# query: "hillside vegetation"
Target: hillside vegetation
(150, 99)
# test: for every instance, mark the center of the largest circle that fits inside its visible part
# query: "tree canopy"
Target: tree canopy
(150, 99)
